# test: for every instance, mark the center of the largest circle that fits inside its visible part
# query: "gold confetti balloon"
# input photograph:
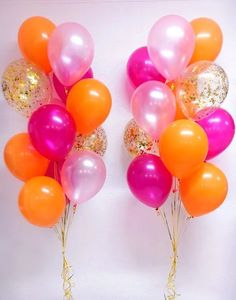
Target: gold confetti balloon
(137, 141)
(202, 89)
(25, 87)
(95, 141)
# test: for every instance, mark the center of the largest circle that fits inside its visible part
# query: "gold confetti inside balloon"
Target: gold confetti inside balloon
(137, 141)
(25, 87)
(95, 141)
(202, 89)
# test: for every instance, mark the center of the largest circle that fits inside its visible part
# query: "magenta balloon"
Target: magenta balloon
(57, 101)
(54, 170)
(220, 129)
(171, 43)
(83, 175)
(153, 106)
(140, 68)
(52, 131)
(70, 52)
(62, 90)
(149, 180)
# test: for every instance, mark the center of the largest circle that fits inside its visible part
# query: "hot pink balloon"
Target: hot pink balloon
(57, 101)
(140, 68)
(149, 180)
(220, 128)
(70, 52)
(171, 43)
(52, 131)
(83, 175)
(62, 90)
(54, 169)
(153, 105)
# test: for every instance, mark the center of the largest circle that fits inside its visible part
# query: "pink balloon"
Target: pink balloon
(70, 52)
(140, 68)
(52, 131)
(149, 180)
(171, 43)
(220, 128)
(62, 90)
(153, 106)
(54, 169)
(83, 175)
(57, 101)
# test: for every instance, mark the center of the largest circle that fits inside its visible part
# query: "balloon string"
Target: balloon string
(172, 222)
(62, 230)
(66, 267)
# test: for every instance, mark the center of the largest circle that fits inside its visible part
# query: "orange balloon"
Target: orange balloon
(42, 201)
(208, 39)
(204, 190)
(183, 146)
(33, 37)
(89, 102)
(179, 114)
(21, 158)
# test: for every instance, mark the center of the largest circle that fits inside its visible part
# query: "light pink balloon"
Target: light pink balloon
(82, 176)
(153, 105)
(70, 52)
(171, 43)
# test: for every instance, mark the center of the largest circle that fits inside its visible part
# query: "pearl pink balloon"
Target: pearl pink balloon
(83, 175)
(140, 68)
(149, 180)
(62, 90)
(171, 43)
(52, 131)
(153, 106)
(70, 52)
(220, 129)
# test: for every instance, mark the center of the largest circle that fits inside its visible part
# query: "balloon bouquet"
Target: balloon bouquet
(59, 158)
(178, 124)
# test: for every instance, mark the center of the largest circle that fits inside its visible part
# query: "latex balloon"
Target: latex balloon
(62, 90)
(89, 102)
(208, 39)
(52, 131)
(21, 158)
(54, 170)
(25, 87)
(178, 114)
(183, 146)
(137, 141)
(170, 45)
(70, 52)
(149, 180)
(202, 89)
(220, 129)
(95, 141)
(204, 190)
(33, 38)
(83, 175)
(153, 106)
(57, 101)
(42, 201)
(140, 68)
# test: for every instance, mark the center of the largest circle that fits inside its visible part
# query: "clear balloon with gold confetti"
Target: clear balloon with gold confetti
(202, 89)
(137, 141)
(95, 141)
(25, 87)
